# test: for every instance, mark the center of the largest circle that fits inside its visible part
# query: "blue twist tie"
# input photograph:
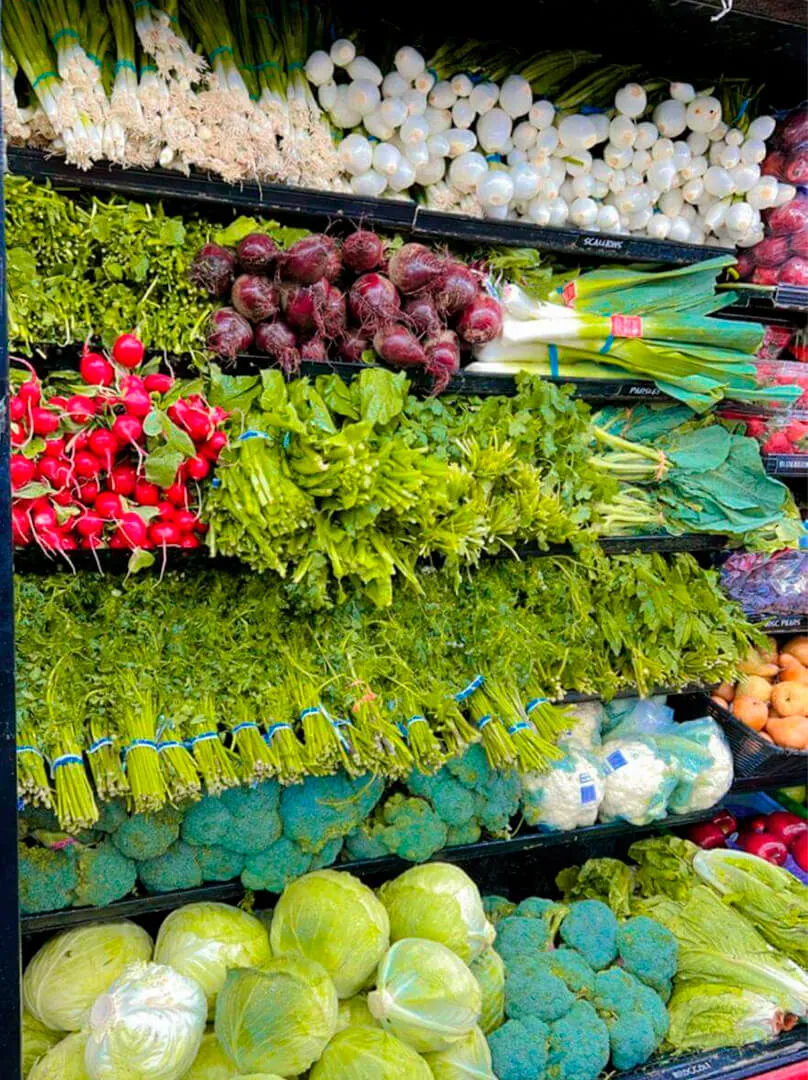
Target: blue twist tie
(169, 744)
(494, 158)
(216, 482)
(534, 703)
(286, 440)
(251, 434)
(26, 749)
(520, 725)
(308, 711)
(742, 111)
(402, 729)
(206, 736)
(434, 74)
(552, 353)
(66, 759)
(99, 744)
(416, 720)
(243, 726)
(484, 720)
(607, 345)
(145, 744)
(475, 684)
(591, 110)
(273, 730)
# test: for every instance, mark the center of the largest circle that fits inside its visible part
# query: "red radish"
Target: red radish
(158, 384)
(218, 415)
(764, 275)
(306, 261)
(195, 421)
(313, 348)
(788, 219)
(707, 835)
(128, 351)
(18, 435)
(278, 341)
(788, 827)
(458, 287)
(44, 517)
(423, 315)
(442, 359)
(80, 408)
(22, 470)
(774, 164)
(90, 524)
(128, 429)
(197, 468)
(166, 511)
(137, 403)
(302, 306)
(43, 422)
(228, 333)
(414, 267)
(481, 321)
(396, 345)
(213, 269)
(362, 251)
(799, 242)
(96, 370)
(88, 492)
(799, 852)
(56, 401)
(214, 446)
(353, 345)
(333, 266)
(87, 465)
(189, 541)
(117, 541)
(133, 529)
(104, 445)
(29, 393)
(146, 494)
(16, 408)
(64, 497)
(374, 300)
(765, 846)
(254, 297)
(777, 444)
(131, 382)
(48, 468)
(256, 253)
(90, 543)
(756, 429)
(108, 505)
(793, 272)
(164, 533)
(54, 447)
(177, 494)
(122, 479)
(20, 526)
(185, 519)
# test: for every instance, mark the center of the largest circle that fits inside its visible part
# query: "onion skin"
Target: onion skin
(481, 321)
(213, 270)
(257, 253)
(398, 346)
(414, 267)
(306, 261)
(363, 251)
(228, 333)
(255, 297)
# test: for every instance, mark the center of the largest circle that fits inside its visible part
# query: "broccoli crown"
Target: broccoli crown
(579, 1045)
(620, 996)
(411, 829)
(463, 834)
(147, 836)
(497, 908)
(569, 966)
(500, 801)
(254, 819)
(519, 937)
(553, 913)
(532, 990)
(519, 1049)
(322, 808)
(176, 869)
(489, 971)
(648, 950)
(472, 767)
(104, 875)
(112, 815)
(275, 867)
(207, 823)
(327, 855)
(366, 843)
(632, 1040)
(451, 801)
(591, 928)
(48, 879)
(650, 1002)
(218, 863)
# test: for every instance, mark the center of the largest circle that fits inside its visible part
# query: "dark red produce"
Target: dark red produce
(765, 846)
(306, 261)
(373, 301)
(313, 348)
(257, 253)
(788, 827)
(442, 359)
(213, 270)
(279, 341)
(255, 297)
(229, 333)
(396, 345)
(423, 315)
(415, 267)
(707, 835)
(457, 289)
(726, 822)
(353, 345)
(333, 267)
(481, 321)
(799, 852)
(363, 251)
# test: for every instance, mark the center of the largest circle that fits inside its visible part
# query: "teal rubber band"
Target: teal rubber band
(483, 721)
(30, 750)
(66, 759)
(220, 50)
(124, 65)
(552, 352)
(66, 31)
(141, 3)
(520, 725)
(296, 65)
(44, 75)
(255, 97)
(607, 345)
(267, 64)
(98, 63)
(148, 67)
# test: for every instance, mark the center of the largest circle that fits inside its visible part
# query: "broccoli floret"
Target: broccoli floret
(453, 803)
(654, 1008)
(531, 990)
(411, 829)
(112, 815)
(635, 1016)
(632, 1040)
(519, 937)
(48, 879)
(361, 843)
(463, 834)
(497, 908)
(500, 801)
(322, 808)
(471, 768)
(550, 911)
(571, 967)
(104, 875)
(519, 1049)
(328, 855)
(648, 950)
(176, 869)
(146, 836)
(579, 1045)
(614, 992)
(208, 823)
(219, 863)
(274, 868)
(591, 928)
(254, 819)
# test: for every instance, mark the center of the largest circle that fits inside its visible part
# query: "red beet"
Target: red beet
(306, 261)
(374, 300)
(352, 345)
(213, 269)
(229, 333)
(333, 267)
(302, 306)
(414, 267)
(423, 314)
(363, 251)
(333, 315)
(458, 288)
(797, 167)
(442, 359)
(398, 346)
(481, 321)
(794, 132)
(791, 218)
(255, 297)
(313, 348)
(799, 242)
(774, 164)
(794, 272)
(277, 340)
(764, 275)
(256, 253)
(773, 251)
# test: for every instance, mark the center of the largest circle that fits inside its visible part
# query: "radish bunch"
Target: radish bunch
(324, 300)
(676, 171)
(113, 464)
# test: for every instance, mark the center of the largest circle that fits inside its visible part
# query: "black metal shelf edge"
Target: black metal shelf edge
(728, 1063)
(385, 213)
(781, 624)
(786, 464)
(389, 865)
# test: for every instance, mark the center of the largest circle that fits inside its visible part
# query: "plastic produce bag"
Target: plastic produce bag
(468, 1059)
(638, 781)
(710, 783)
(64, 1062)
(770, 584)
(567, 795)
(589, 717)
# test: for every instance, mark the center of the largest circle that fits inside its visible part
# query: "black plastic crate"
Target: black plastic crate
(756, 757)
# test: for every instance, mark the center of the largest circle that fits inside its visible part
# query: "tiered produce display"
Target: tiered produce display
(345, 556)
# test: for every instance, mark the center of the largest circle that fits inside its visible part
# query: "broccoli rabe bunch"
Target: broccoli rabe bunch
(581, 990)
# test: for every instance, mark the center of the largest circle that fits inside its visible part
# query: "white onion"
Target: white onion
(681, 154)
(409, 62)
(342, 52)
(539, 211)
(582, 186)
(704, 114)
(730, 157)
(671, 203)
(497, 213)
(515, 96)
(659, 227)
(718, 182)
(394, 85)
(377, 126)
(763, 194)
(327, 96)
(682, 91)
(546, 140)
(386, 158)
(698, 143)
(463, 113)
(441, 96)
(416, 153)
(363, 96)
(734, 137)
(438, 145)
(617, 158)
(718, 132)
(415, 102)
(662, 150)
(647, 135)
(557, 170)
(577, 132)
(693, 190)
(601, 171)
(601, 124)
(432, 172)
(524, 135)
(578, 162)
(670, 118)
(393, 111)
(584, 212)
(715, 152)
(754, 236)
(467, 170)
(525, 182)
(715, 215)
(559, 212)
(549, 189)
(745, 177)
(696, 167)
(342, 114)
(762, 127)
(460, 141)
(567, 191)
(622, 131)
(363, 68)
(494, 130)
(633, 177)
(740, 218)
(355, 154)
(753, 151)
(640, 160)
(600, 189)
(679, 230)
(495, 188)
(461, 86)
(484, 97)
(437, 120)
(639, 221)
(689, 213)
(661, 175)
(631, 100)
(424, 82)
(368, 183)
(404, 176)
(319, 68)
(785, 193)
(541, 114)
(617, 181)
(415, 130)
(608, 218)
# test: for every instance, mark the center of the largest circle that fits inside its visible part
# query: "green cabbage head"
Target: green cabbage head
(440, 902)
(355, 1013)
(425, 995)
(212, 1063)
(489, 971)
(278, 1019)
(64, 1062)
(467, 1059)
(203, 941)
(37, 1040)
(369, 1053)
(70, 971)
(331, 917)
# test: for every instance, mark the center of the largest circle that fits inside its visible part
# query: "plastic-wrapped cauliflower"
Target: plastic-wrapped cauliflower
(711, 783)
(567, 796)
(639, 780)
(584, 733)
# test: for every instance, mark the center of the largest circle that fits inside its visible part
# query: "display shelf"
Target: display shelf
(786, 464)
(389, 866)
(326, 206)
(781, 624)
(730, 1063)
